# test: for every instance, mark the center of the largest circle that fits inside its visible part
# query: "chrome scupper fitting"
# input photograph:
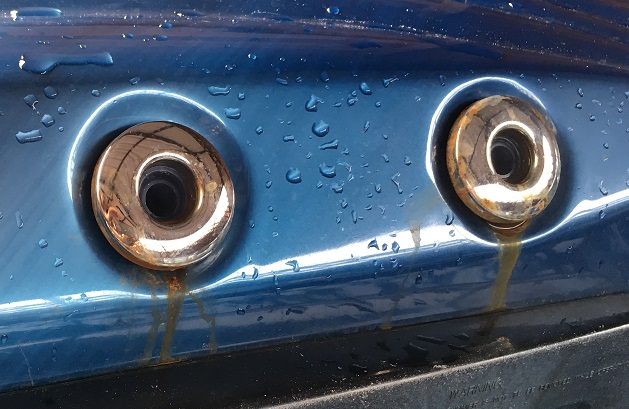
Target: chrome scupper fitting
(503, 160)
(162, 196)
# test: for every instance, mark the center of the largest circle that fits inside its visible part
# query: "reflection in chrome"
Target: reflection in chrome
(162, 196)
(503, 160)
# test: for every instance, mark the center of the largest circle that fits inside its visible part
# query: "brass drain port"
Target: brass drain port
(503, 160)
(163, 196)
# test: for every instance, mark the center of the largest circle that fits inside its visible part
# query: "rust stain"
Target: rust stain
(211, 321)
(509, 248)
(177, 291)
(152, 335)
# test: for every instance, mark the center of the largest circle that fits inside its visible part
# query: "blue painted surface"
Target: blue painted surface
(306, 259)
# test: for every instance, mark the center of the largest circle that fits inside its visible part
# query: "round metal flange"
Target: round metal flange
(162, 196)
(503, 160)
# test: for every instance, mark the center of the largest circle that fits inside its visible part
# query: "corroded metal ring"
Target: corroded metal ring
(503, 160)
(163, 196)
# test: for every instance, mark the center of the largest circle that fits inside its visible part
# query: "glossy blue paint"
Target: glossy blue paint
(382, 243)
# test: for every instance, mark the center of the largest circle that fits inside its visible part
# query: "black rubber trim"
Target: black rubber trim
(308, 369)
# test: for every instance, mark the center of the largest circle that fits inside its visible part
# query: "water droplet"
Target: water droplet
(268, 184)
(19, 220)
(30, 136)
(578, 105)
(343, 203)
(270, 209)
(281, 81)
(288, 138)
(61, 111)
(395, 247)
(128, 36)
(378, 104)
(354, 216)
(337, 188)
(58, 262)
(95, 93)
(601, 214)
(327, 171)
(4, 338)
(61, 129)
(351, 101)
(385, 157)
(30, 100)
(364, 88)
(449, 218)
(396, 182)
(294, 265)
(313, 101)
(42, 243)
(388, 81)
(160, 38)
(580, 92)
(334, 144)
(592, 117)
(378, 188)
(255, 273)
(602, 189)
(84, 297)
(166, 25)
(252, 224)
(373, 244)
(442, 80)
(215, 90)
(63, 273)
(240, 311)
(407, 161)
(134, 80)
(451, 233)
(47, 121)
(606, 145)
(233, 113)
(293, 175)
(320, 128)
(418, 279)
(366, 126)
(333, 10)
(42, 63)
(324, 76)
(50, 92)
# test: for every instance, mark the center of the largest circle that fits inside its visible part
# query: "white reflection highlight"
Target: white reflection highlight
(429, 238)
(586, 208)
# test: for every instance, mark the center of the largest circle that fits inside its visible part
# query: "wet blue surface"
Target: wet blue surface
(345, 220)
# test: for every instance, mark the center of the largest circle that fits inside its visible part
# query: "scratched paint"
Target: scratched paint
(210, 320)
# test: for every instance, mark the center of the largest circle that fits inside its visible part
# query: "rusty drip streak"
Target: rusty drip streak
(510, 248)
(176, 293)
(152, 335)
